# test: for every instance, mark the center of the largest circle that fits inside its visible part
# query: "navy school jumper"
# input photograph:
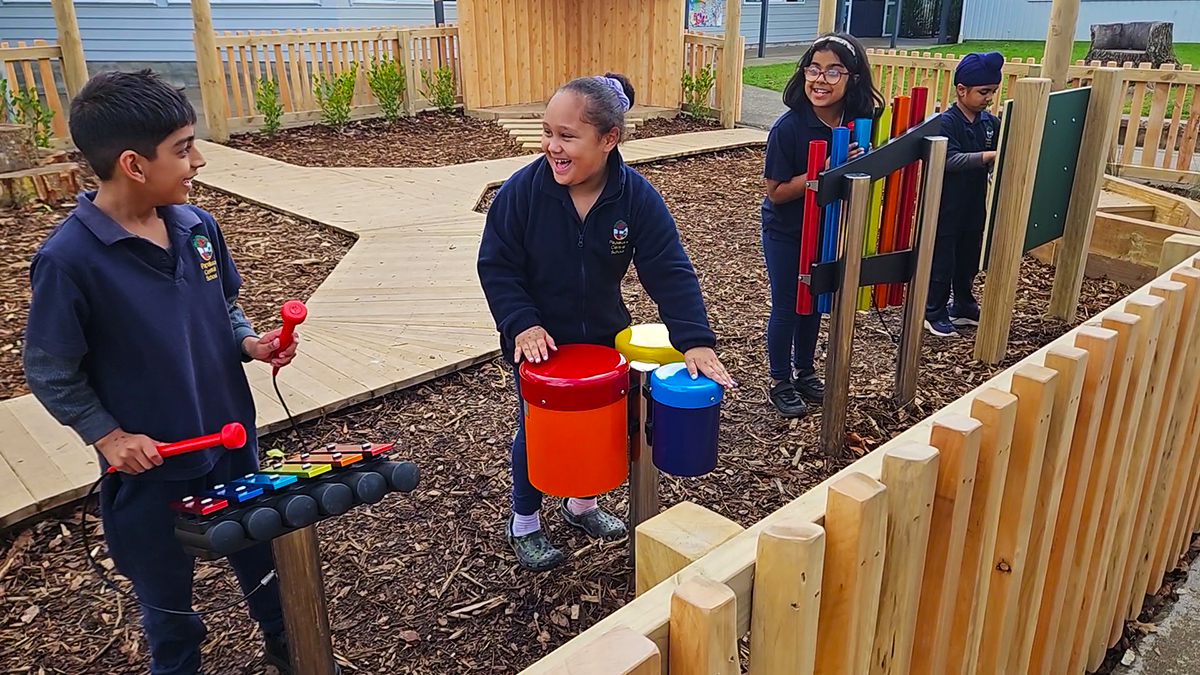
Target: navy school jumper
(124, 333)
(540, 265)
(963, 211)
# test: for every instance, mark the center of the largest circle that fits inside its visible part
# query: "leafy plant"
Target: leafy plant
(439, 88)
(7, 111)
(696, 89)
(28, 109)
(387, 81)
(335, 94)
(266, 101)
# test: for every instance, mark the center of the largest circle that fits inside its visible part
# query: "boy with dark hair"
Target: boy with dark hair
(135, 338)
(970, 153)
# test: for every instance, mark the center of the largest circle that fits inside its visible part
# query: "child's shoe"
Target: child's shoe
(941, 328)
(809, 386)
(964, 315)
(598, 523)
(275, 648)
(534, 550)
(788, 401)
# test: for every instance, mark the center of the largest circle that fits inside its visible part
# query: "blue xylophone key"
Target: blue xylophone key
(266, 481)
(236, 494)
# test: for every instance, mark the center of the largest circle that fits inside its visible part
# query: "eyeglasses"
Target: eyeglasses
(832, 75)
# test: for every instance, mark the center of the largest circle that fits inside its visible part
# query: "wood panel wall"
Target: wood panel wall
(519, 51)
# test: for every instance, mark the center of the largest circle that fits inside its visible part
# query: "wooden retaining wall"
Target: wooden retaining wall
(1013, 531)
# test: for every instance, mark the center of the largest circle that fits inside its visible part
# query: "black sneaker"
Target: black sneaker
(809, 386)
(788, 401)
(276, 649)
(534, 551)
(598, 523)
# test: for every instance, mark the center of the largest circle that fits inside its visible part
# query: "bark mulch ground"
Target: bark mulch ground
(427, 140)
(279, 258)
(424, 582)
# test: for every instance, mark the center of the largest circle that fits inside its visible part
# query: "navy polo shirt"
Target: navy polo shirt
(787, 157)
(964, 191)
(151, 327)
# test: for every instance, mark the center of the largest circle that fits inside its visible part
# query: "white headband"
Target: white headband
(841, 41)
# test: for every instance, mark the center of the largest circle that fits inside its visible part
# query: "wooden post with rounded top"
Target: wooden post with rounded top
(621, 651)
(74, 63)
(731, 65)
(208, 67)
(703, 630)
(787, 599)
(1060, 39)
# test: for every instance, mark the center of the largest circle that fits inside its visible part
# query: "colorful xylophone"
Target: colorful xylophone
(289, 494)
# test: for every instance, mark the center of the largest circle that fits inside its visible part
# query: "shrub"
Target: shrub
(386, 79)
(335, 94)
(439, 89)
(696, 90)
(266, 101)
(28, 109)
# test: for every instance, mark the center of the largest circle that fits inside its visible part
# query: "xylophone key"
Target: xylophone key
(236, 494)
(335, 458)
(200, 506)
(266, 481)
(302, 469)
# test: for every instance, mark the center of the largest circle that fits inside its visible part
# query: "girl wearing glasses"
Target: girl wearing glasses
(831, 87)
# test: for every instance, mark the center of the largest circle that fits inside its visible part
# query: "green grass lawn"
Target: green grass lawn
(775, 76)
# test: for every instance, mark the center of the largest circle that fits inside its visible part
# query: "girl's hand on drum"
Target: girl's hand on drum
(704, 360)
(535, 344)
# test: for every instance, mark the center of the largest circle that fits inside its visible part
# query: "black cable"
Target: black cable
(879, 313)
(107, 580)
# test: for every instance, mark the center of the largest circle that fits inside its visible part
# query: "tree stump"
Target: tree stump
(1134, 42)
(49, 184)
(17, 148)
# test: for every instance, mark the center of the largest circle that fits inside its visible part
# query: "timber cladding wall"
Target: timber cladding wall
(520, 51)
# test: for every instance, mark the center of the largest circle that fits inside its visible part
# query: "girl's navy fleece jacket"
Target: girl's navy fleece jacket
(540, 265)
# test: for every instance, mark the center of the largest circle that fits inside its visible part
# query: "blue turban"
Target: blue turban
(979, 70)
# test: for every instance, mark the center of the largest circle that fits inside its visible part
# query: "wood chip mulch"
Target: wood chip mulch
(425, 583)
(279, 258)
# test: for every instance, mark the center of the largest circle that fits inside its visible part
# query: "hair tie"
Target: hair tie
(841, 41)
(618, 88)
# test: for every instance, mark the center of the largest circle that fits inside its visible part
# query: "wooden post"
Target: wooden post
(676, 538)
(996, 410)
(856, 537)
(208, 67)
(910, 473)
(619, 652)
(643, 475)
(731, 65)
(1101, 345)
(1181, 538)
(1103, 111)
(1060, 38)
(1070, 363)
(1030, 99)
(957, 439)
(1175, 249)
(302, 594)
(786, 599)
(826, 16)
(74, 64)
(412, 72)
(703, 630)
(1034, 387)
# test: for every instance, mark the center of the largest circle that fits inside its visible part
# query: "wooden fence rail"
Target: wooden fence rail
(701, 50)
(1013, 531)
(297, 60)
(1156, 114)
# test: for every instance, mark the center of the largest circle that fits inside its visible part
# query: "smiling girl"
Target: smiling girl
(831, 87)
(558, 240)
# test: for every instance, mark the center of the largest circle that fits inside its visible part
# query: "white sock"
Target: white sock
(523, 525)
(580, 506)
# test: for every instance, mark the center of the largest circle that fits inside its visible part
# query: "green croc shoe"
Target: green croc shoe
(597, 522)
(534, 551)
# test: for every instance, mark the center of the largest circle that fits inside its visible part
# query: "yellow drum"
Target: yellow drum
(648, 343)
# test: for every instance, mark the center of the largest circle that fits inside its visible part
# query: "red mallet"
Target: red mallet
(232, 435)
(293, 312)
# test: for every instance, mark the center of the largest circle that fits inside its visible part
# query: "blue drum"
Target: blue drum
(685, 416)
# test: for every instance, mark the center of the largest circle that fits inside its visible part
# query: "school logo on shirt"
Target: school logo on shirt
(205, 250)
(620, 238)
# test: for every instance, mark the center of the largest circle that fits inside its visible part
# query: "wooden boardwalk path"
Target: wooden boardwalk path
(404, 306)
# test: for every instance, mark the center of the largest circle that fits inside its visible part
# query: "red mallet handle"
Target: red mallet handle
(293, 312)
(232, 435)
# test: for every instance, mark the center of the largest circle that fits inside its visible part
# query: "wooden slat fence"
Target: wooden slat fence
(1013, 531)
(705, 49)
(38, 67)
(296, 60)
(1156, 111)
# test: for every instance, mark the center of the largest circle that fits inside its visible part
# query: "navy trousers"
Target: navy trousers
(955, 265)
(791, 337)
(139, 528)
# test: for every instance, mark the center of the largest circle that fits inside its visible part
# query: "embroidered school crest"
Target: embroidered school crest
(620, 231)
(203, 247)
(620, 238)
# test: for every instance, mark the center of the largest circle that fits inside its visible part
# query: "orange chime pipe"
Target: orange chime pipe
(908, 193)
(891, 196)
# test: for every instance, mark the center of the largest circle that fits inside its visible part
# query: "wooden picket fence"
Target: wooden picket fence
(295, 60)
(39, 68)
(1013, 531)
(1157, 106)
(704, 49)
